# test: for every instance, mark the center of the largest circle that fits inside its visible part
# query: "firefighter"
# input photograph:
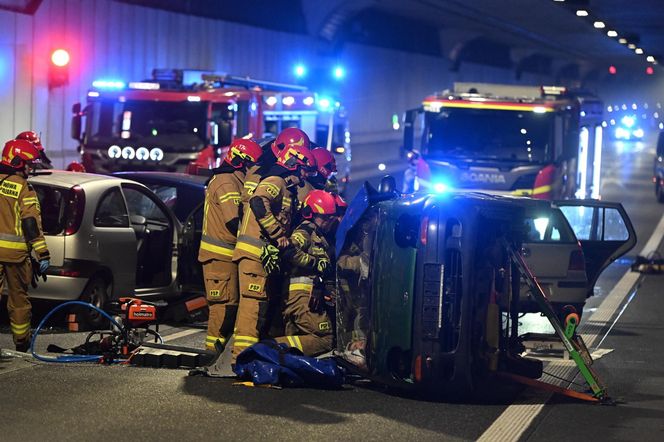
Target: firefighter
(264, 231)
(326, 168)
(308, 326)
(20, 235)
(221, 219)
(31, 136)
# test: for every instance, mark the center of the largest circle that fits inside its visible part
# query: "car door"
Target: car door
(604, 230)
(115, 238)
(190, 271)
(157, 233)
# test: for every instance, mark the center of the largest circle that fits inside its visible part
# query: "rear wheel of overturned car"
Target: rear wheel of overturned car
(95, 293)
(659, 191)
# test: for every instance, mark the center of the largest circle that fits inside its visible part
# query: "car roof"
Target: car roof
(165, 177)
(65, 178)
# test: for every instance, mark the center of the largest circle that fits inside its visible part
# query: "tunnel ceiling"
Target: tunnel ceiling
(533, 33)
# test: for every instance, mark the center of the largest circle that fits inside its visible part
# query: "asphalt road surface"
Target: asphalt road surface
(42, 401)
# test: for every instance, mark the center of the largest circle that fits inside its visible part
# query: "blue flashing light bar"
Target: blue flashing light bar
(324, 103)
(108, 84)
(339, 72)
(300, 70)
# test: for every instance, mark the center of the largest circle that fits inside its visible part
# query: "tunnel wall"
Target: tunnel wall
(107, 39)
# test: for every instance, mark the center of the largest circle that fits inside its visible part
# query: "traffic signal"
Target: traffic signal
(58, 69)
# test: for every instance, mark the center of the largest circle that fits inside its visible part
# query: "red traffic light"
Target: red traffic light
(60, 57)
(650, 70)
(612, 70)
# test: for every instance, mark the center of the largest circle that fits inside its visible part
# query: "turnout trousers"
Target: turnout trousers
(222, 294)
(308, 331)
(17, 276)
(253, 307)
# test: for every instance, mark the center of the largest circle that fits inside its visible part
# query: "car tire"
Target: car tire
(95, 293)
(659, 191)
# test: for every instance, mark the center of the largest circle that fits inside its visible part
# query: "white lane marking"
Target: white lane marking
(181, 334)
(518, 417)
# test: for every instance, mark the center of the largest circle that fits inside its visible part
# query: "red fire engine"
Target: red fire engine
(183, 120)
(544, 142)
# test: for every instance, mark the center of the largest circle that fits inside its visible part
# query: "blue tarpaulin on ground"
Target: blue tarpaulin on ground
(269, 363)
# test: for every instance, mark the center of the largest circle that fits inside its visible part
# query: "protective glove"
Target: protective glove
(322, 264)
(43, 265)
(270, 259)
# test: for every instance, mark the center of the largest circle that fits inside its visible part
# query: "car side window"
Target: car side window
(596, 223)
(111, 211)
(141, 204)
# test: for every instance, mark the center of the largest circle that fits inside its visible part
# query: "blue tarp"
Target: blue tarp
(269, 363)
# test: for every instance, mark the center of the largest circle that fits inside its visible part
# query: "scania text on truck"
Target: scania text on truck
(544, 142)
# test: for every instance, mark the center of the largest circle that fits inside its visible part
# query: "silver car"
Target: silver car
(111, 237)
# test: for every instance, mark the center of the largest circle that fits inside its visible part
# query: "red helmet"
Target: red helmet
(75, 166)
(325, 162)
(18, 153)
(242, 150)
(341, 204)
(319, 202)
(293, 149)
(32, 137)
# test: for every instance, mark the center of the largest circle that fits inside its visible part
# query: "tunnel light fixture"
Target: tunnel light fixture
(612, 33)
(650, 59)
(581, 13)
(638, 51)
(622, 41)
(631, 46)
(599, 25)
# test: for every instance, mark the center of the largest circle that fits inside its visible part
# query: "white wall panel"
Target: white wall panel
(116, 40)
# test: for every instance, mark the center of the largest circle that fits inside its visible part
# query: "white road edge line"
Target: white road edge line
(182, 334)
(518, 417)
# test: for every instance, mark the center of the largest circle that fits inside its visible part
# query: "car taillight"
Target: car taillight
(423, 230)
(576, 261)
(76, 206)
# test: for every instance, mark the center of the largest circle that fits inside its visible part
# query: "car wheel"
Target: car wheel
(659, 191)
(95, 293)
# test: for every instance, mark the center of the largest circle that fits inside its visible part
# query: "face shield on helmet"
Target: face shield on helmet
(18, 154)
(243, 152)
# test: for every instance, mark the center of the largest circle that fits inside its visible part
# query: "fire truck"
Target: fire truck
(544, 142)
(183, 120)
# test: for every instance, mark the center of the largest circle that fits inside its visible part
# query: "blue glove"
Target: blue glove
(43, 265)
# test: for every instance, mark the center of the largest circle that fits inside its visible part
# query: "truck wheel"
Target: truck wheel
(96, 293)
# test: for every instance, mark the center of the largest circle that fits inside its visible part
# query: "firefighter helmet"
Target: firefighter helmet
(319, 202)
(31, 136)
(18, 153)
(242, 150)
(293, 149)
(75, 166)
(325, 162)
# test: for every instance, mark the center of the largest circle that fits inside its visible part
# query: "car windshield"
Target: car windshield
(503, 135)
(53, 202)
(148, 122)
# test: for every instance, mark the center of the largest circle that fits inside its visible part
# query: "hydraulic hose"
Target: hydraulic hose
(69, 358)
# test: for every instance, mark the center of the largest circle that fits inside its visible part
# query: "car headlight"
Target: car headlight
(156, 154)
(142, 153)
(114, 151)
(128, 153)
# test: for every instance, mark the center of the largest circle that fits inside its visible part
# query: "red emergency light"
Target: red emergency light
(60, 57)
(612, 70)
(650, 70)
(58, 70)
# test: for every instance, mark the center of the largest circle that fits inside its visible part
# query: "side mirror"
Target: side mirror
(213, 130)
(409, 128)
(76, 121)
(138, 220)
(225, 133)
